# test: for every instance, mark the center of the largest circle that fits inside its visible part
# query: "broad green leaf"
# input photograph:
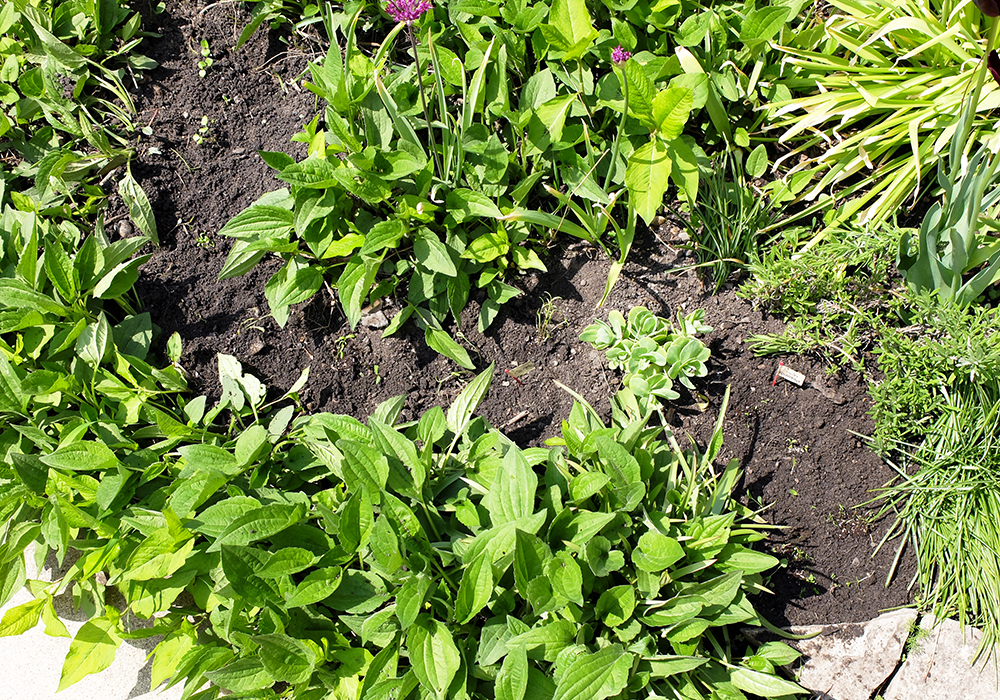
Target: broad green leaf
(94, 342)
(512, 680)
(353, 286)
(295, 282)
(763, 24)
(595, 676)
(430, 252)
(488, 246)
(572, 20)
(720, 590)
(640, 93)
(259, 221)
(54, 627)
(547, 122)
(59, 269)
(317, 586)
(242, 675)
(546, 640)
(434, 657)
(647, 177)
(475, 590)
(684, 167)
(439, 341)
(359, 592)
(285, 658)
(465, 204)
(757, 162)
(363, 467)
(91, 651)
(139, 208)
(764, 684)
(259, 524)
(668, 665)
(531, 555)
(411, 598)
(158, 556)
(778, 653)
(169, 652)
(615, 606)
(85, 455)
(512, 494)
(147, 598)
(671, 108)
(318, 173)
(675, 610)
(21, 618)
(32, 471)
(287, 561)
(384, 234)
(209, 458)
(461, 409)
(566, 578)
(15, 294)
(356, 521)
(656, 552)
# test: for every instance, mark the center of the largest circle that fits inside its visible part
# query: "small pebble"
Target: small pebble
(125, 229)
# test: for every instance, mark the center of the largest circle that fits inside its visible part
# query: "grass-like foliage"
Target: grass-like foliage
(938, 411)
(879, 89)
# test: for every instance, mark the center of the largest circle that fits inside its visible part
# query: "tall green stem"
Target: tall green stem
(618, 136)
(423, 100)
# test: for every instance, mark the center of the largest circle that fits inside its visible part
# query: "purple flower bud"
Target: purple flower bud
(620, 55)
(988, 7)
(407, 11)
(993, 64)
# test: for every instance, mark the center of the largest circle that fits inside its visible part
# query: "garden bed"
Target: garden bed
(805, 464)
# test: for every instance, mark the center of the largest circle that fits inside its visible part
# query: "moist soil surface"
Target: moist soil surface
(805, 465)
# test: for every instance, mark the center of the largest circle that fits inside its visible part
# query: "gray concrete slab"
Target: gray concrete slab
(939, 666)
(32, 662)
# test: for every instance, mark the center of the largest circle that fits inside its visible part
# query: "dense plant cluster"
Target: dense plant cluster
(282, 554)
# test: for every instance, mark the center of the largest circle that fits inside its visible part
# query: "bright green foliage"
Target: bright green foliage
(433, 556)
(62, 67)
(950, 244)
(652, 352)
(729, 216)
(879, 89)
(448, 179)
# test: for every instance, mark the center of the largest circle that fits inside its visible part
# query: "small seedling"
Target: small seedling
(204, 240)
(378, 377)
(546, 317)
(203, 132)
(342, 342)
(206, 59)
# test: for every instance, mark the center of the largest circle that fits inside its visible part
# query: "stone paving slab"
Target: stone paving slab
(851, 661)
(939, 667)
(31, 663)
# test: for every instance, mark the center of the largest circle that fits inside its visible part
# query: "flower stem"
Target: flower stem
(618, 136)
(423, 100)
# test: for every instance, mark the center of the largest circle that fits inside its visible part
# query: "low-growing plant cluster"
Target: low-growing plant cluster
(652, 353)
(283, 554)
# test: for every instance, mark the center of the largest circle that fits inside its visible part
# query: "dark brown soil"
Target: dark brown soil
(797, 445)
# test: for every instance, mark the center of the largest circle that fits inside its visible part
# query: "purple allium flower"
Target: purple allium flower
(407, 11)
(620, 55)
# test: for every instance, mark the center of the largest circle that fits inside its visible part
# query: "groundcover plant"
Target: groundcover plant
(282, 554)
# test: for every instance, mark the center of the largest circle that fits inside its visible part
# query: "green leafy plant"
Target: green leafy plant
(205, 62)
(726, 223)
(323, 553)
(652, 352)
